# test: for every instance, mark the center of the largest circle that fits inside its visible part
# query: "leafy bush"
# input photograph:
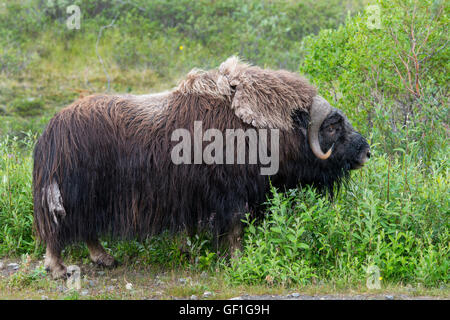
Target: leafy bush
(383, 218)
(389, 81)
(274, 250)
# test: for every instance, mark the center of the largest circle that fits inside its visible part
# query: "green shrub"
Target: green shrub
(392, 81)
(383, 217)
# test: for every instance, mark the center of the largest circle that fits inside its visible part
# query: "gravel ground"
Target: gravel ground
(298, 296)
(125, 282)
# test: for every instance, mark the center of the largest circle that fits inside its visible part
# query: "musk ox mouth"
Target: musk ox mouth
(358, 166)
(363, 159)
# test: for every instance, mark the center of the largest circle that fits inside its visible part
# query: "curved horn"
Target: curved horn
(320, 109)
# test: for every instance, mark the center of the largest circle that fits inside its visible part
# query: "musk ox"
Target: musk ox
(103, 166)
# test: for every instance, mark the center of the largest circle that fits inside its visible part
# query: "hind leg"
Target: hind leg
(54, 264)
(99, 255)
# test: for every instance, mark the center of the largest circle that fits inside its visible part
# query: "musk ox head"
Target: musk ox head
(330, 130)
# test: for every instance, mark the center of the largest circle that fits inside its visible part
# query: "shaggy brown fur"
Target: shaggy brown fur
(263, 98)
(102, 167)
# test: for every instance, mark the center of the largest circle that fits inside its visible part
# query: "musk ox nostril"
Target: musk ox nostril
(368, 154)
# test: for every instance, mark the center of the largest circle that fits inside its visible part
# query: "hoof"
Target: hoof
(58, 272)
(105, 260)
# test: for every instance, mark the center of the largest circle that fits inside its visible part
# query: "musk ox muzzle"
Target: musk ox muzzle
(103, 165)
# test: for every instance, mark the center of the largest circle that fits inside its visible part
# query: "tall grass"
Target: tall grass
(16, 202)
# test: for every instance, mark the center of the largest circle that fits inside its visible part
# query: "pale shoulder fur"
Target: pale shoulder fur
(263, 98)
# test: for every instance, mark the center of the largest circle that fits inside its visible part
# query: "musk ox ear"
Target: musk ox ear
(264, 98)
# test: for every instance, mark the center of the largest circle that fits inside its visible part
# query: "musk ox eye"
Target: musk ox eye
(331, 130)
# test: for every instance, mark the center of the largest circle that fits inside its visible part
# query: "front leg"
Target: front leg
(53, 262)
(235, 235)
(229, 236)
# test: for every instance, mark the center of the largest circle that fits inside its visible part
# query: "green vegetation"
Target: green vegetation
(16, 200)
(391, 80)
(378, 220)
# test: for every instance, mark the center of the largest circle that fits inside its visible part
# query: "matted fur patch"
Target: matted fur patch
(263, 98)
